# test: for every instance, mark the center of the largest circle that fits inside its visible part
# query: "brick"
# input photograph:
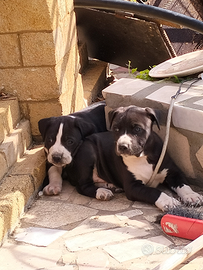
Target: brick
(38, 49)
(10, 56)
(23, 15)
(39, 110)
(39, 83)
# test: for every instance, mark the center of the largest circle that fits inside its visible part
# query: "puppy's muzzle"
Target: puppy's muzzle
(57, 158)
(123, 147)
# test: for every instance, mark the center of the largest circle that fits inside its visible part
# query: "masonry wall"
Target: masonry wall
(39, 60)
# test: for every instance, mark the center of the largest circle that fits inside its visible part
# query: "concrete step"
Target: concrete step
(94, 75)
(94, 80)
(21, 170)
(14, 146)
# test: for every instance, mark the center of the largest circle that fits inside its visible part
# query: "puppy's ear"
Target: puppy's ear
(43, 124)
(85, 128)
(153, 116)
(112, 114)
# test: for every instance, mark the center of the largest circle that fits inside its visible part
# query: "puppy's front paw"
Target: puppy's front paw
(165, 202)
(104, 194)
(188, 196)
(52, 189)
(192, 198)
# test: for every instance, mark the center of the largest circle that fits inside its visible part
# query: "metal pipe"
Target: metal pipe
(144, 10)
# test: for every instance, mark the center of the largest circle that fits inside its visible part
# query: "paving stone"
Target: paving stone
(196, 264)
(52, 214)
(103, 237)
(142, 205)
(137, 248)
(119, 202)
(129, 214)
(95, 223)
(143, 224)
(28, 257)
(38, 236)
(86, 261)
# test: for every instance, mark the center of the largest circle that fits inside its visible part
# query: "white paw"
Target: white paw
(165, 202)
(188, 196)
(52, 189)
(104, 194)
(192, 198)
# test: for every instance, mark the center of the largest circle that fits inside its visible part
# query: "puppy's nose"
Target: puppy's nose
(122, 147)
(56, 158)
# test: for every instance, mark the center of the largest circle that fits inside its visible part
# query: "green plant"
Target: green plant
(144, 75)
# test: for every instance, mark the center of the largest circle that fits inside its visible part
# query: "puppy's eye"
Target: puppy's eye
(137, 129)
(116, 129)
(69, 141)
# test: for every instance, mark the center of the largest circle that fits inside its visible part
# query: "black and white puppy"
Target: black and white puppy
(62, 137)
(126, 158)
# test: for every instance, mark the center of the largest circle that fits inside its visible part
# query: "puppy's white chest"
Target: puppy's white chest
(142, 170)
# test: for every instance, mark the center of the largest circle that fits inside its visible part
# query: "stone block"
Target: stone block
(39, 83)
(39, 110)
(10, 56)
(24, 128)
(25, 15)
(12, 148)
(38, 49)
(179, 150)
(3, 165)
(9, 111)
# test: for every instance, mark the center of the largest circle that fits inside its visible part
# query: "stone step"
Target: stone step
(19, 187)
(21, 170)
(14, 146)
(9, 116)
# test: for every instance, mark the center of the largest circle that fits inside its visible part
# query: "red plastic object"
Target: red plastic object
(183, 227)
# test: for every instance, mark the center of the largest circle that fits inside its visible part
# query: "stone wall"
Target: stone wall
(39, 60)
